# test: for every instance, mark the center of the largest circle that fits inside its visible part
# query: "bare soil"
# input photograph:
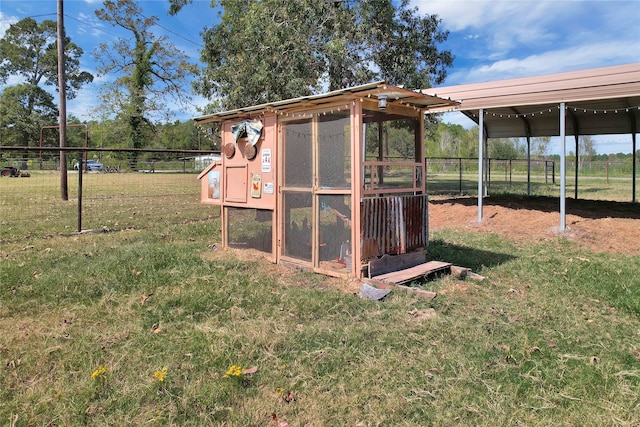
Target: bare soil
(599, 226)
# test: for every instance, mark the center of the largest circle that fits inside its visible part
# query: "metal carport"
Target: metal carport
(600, 101)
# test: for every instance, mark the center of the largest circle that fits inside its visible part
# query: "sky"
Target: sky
(490, 40)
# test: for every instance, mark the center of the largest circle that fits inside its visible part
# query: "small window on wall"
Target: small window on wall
(213, 182)
(250, 229)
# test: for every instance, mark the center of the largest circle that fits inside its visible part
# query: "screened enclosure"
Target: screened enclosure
(325, 182)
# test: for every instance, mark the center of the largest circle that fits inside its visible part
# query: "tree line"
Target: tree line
(259, 51)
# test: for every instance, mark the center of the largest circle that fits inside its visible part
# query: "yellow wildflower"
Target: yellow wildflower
(161, 374)
(233, 371)
(101, 371)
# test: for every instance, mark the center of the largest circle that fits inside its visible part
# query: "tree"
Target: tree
(260, 52)
(29, 50)
(451, 140)
(24, 109)
(150, 69)
(540, 146)
(587, 147)
(506, 148)
(268, 50)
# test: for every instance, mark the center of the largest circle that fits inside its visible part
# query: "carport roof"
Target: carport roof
(598, 101)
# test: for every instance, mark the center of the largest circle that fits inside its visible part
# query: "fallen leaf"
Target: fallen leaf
(251, 370)
(144, 298)
(278, 422)
(93, 410)
(423, 314)
(155, 328)
(534, 349)
(289, 397)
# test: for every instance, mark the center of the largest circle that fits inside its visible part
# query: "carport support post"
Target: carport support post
(480, 161)
(577, 137)
(529, 166)
(634, 158)
(563, 161)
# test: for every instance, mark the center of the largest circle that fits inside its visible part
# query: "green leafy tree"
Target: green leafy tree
(178, 135)
(24, 109)
(29, 50)
(506, 148)
(268, 50)
(149, 69)
(451, 140)
(540, 146)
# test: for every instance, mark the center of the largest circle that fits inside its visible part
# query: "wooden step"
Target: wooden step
(419, 271)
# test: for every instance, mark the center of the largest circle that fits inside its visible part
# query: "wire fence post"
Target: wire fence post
(460, 173)
(81, 164)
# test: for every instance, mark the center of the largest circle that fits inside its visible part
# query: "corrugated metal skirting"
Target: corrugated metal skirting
(393, 225)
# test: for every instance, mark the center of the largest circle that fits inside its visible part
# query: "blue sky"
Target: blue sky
(491, 40)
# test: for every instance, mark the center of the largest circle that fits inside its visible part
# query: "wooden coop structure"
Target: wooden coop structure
(325, 182)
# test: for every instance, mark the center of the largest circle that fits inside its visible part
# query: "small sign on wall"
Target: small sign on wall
(266, 160)
(256, 186)
(268, 188)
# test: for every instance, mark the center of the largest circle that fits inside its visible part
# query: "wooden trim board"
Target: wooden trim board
(413, 273)
(390, 263)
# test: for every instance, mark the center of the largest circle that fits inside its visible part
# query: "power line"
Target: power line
(172, 32)
(101, 29)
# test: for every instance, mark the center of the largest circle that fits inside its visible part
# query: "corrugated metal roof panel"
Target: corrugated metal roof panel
(371, 90)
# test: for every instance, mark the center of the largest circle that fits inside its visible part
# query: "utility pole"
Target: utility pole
(64, 193)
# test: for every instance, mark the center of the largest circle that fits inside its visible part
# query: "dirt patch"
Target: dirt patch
(599, 226)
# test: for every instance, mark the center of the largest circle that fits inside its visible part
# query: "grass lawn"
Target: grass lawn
(143, 323)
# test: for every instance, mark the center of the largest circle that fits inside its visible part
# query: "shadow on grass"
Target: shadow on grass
(594, 209)
(464, 256)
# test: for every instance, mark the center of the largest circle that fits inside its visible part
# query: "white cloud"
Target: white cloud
(90, 24)
(504, 24)
(568, 59)
(6, 22)
(498, 39)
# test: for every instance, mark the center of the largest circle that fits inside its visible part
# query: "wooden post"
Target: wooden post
(460, 172)
(357, 185)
